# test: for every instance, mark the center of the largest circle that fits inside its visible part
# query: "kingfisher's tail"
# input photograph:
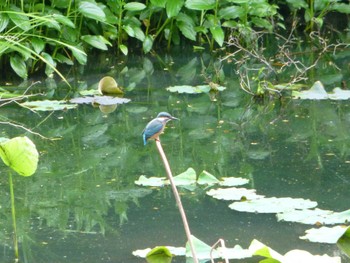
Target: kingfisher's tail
(144, 139)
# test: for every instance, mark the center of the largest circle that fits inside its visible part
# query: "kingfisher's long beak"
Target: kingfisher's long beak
(174, 118)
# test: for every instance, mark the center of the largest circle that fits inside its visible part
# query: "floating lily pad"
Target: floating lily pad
(339, 94)
(233, 181)
(329, 235)
(194, 89)
(272, 205)
(186, 178)
(207, 178)
(300, 256)
(234, 193)
(237, 252)
(316, 92)
(152, 181)
(176, 251)
(100, 100)
(48, 105)
(315, 216)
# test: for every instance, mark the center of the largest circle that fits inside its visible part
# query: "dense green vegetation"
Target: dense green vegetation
(40, 35)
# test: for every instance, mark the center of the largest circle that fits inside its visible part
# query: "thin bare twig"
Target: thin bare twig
(24, 128)
(223, 246)
(178, 199)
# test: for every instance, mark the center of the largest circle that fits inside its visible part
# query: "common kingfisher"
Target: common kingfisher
(156, 126)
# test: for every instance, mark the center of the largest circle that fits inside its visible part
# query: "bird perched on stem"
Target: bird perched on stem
(156, 127)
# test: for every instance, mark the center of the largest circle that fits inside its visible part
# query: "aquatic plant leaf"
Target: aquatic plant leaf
(272, 205)
(20, 154)
(18, 65)
(258, 154)
(147, 44)
(48, 105)
(101, 100)
(316, 92)
(124, 49)
(159, 3)
(79, 55)
(301, 256)
(98, 42)
(19, 18)
(339, 94)
(202, 249)
(316, 216)
(189, 89)
(91, 10)
(186, 178)
(187, 27)
(329, 235)
(134, 6)
(38, 44)
(108, 85)
(200, 4)
(176, 251)
(159, 254)
(173, 7)
(259, 249)
(4, 20)
(207, 178)
(233, 181)
(344, 242)
(218, 34)
(152, 181)
(237, 252)
(234, 193)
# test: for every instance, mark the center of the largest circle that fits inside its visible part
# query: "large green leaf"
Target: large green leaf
(63, 20)
(186, 25)
(50, 63)
(159, 3)
(147, 44)
(344, 242)
(20, 154)
(200, 4)
(173, 7)
(134, 6)
(38, 44)
(98, 42)
(218, 34)
(4, 20)
(79, 55)
(20, 19)
(18, 65)
(91, 10)
(159, 254)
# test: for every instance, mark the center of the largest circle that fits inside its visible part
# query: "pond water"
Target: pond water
(82, 204)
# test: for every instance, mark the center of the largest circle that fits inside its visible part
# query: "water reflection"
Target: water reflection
(82, 204)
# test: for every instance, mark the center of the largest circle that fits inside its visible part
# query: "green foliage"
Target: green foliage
(45, 36)
(19, 154)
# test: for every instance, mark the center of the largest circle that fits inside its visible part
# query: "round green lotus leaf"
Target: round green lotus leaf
(20, 154)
